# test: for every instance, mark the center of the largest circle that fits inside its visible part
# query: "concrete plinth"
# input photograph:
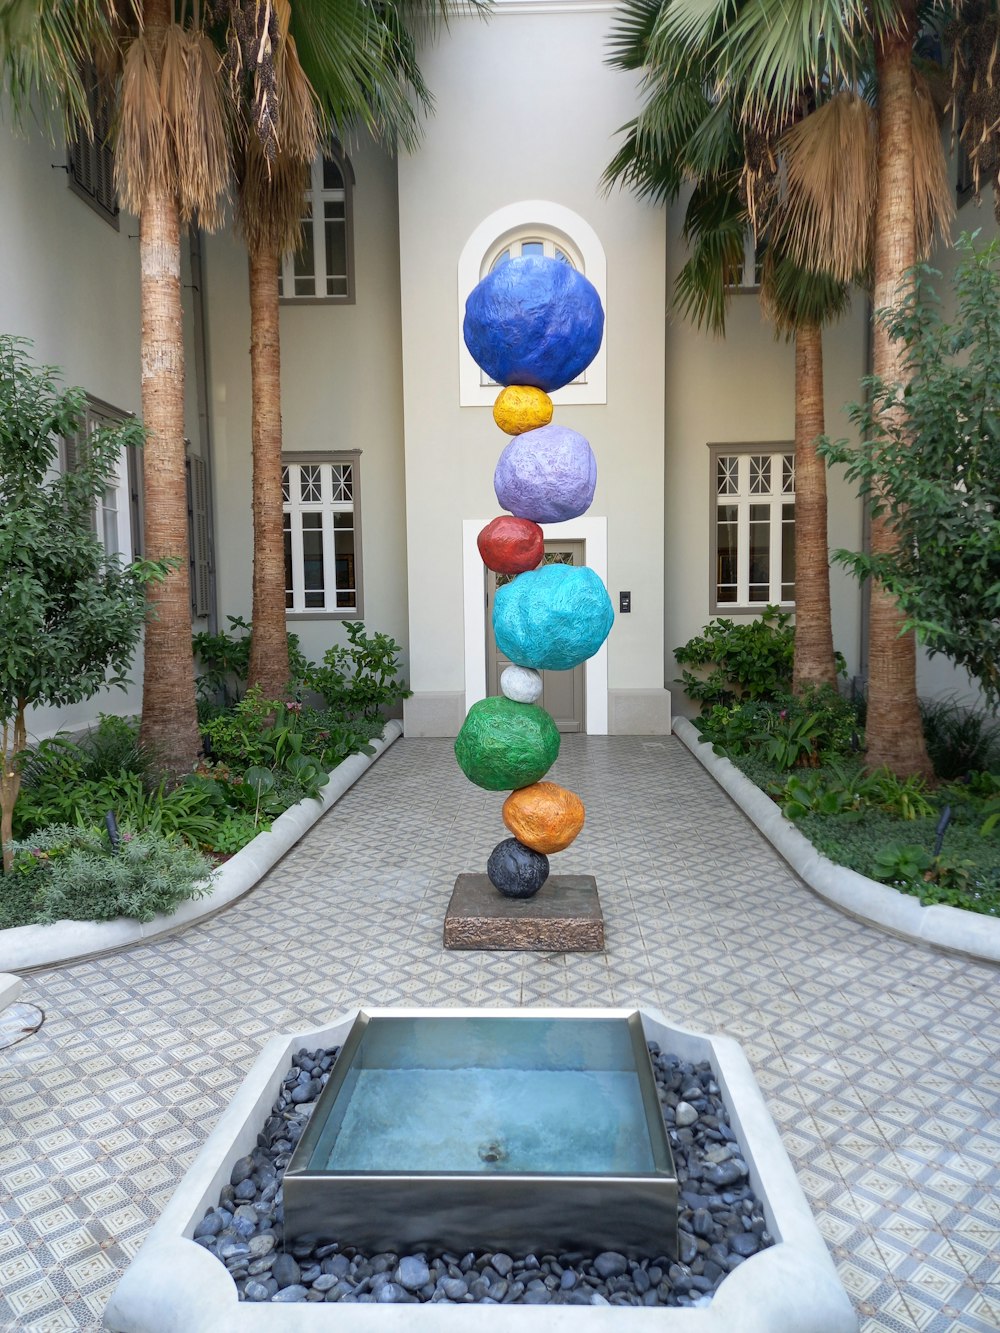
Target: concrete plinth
(563, 917)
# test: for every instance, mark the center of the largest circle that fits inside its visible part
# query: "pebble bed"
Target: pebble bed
(721, 1222)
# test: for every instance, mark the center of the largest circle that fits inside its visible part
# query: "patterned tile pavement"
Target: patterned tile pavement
(878, 1059)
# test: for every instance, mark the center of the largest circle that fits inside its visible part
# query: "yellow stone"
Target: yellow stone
(544, 816)
(521, 407)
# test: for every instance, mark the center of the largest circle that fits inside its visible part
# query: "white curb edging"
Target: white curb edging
(175, 1286)
(10, 989)
(24, 947)
(945, 927)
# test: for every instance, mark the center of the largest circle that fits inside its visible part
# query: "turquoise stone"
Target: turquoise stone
(504, 745)
(552, 618)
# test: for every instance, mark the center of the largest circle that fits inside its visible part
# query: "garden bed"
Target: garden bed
(942, 926)
(25, 947)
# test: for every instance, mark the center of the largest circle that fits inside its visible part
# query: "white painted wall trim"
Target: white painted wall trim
(550, 218)
(593, 532)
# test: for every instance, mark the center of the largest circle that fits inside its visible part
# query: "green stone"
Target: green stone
(505, 745)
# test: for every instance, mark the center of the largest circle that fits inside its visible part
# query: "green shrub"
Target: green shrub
(959, 739)
(752, 660)
(786, 731)
(235, 831)
(361, 679)
(224, 662)
(64, 873)
(67, 797)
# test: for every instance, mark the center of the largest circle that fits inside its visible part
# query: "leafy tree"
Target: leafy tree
(930, 464)
(70, 615)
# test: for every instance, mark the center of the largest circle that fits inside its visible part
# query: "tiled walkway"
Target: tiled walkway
(879, 1060)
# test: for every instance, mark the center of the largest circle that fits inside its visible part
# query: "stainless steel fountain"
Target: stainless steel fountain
(516, 1132)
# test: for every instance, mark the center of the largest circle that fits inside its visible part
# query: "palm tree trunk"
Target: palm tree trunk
(269, 642)
(814, 664)
(894, 733)
(169, 714)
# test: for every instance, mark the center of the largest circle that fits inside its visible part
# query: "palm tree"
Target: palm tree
(687, 132)
(171, 161)
(866, 189)
(329, 66)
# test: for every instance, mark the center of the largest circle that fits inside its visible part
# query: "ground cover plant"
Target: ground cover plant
(939, 841)
(98, 832)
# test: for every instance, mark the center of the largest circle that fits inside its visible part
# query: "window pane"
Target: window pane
(760, 474)
(335, 222)
(501, 258)
(529, 248)
(289, 589)
(726, 553)
(312, 560)
(332, 178)
(109, 522)
(286, 492)
(309, 484)
(788, 474)
(344, 561)
(304, 263)
(727, 474)
(760, 553)
(342, 476)
(788, 553)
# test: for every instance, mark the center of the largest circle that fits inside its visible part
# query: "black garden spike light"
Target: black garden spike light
(942, 826)
(114, 837)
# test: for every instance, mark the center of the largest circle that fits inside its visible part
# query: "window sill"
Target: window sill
(317, 300)
(355, 613)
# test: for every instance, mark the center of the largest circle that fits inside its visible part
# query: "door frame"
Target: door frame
(593, 532)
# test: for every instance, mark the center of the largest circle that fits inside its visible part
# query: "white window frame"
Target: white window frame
(775, 498)
(316, 198)
(294, 507)
(536, 219)
(748, 281)
(116, 500)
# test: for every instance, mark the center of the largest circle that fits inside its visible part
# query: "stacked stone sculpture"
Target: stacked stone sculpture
(533, 325)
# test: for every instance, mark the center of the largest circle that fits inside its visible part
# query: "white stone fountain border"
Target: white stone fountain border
(176, 1286)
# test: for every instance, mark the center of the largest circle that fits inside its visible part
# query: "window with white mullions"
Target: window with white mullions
(753, 527)
(322, 267)
(322, 535)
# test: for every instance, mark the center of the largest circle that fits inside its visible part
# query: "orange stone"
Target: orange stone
(544, 816)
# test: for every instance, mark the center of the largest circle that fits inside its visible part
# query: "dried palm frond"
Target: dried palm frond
(933, 205)
(195, 111)
(973, 37)
(270, 199)
(142, 151)
(830, 180)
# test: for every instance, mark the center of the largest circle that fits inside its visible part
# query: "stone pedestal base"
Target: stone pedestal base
(564, 916)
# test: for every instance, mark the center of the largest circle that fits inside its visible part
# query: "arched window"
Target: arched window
(322, 269)
(535, 227)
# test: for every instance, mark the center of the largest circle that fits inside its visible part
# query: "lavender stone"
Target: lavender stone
(552, 618)
(546, 475)
(534, 321)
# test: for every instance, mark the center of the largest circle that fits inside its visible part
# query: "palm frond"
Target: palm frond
(776, 49)
(196, 120)
(715, 228)
(933, 202)
(44, 47)
(140, 134)
(793, 297)
(631, 31)
(826, 212)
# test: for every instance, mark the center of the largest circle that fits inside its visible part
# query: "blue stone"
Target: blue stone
(534, 321)
(552, 618)
(546, 475)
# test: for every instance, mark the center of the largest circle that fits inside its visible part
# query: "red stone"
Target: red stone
(511, 545)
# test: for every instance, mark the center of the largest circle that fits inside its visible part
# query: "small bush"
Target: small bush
(361, 680)
(959, 740)
(752, 660)
(224, 663)
(63, 873)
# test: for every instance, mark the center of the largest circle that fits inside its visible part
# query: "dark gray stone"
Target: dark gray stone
(287, 1295)
(610, 1264)
(285, 1271)
(412, 1272)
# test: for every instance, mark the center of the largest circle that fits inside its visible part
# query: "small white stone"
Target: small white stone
(522, 684)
